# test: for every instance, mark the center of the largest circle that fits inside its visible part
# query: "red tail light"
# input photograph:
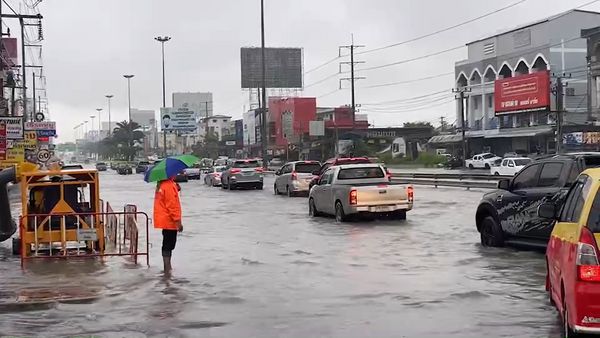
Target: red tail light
(353, 197)
(388, 174)
(410, 191)
(588, 268)
(236, 171)
(259, 170)
(294, 176)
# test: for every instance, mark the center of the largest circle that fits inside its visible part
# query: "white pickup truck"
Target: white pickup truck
(353, 189)
(485, 160)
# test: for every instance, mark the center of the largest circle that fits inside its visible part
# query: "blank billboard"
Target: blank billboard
(283, 67)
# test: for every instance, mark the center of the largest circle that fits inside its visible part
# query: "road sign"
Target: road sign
(316, 128)
(46, 133)
(43, 155)
(39, 117)
(180, 119)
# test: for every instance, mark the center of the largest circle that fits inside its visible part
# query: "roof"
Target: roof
(363, 165)
(441, 139)
(534, 23)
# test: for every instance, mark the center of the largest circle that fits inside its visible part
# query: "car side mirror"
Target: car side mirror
(278, 172)
(504, 184)
(548, 211)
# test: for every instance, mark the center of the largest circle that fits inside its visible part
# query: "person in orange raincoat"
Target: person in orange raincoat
(167, 216)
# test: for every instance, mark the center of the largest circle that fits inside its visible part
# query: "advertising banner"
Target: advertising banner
(43, 128)
(28, 142)
(180, 119)
(524, 93)
(573, 138)
(9, 52)
(14, 127)
(2, 141)
(15, 155)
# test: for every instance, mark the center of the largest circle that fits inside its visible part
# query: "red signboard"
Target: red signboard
(2, 141)
(524, 93)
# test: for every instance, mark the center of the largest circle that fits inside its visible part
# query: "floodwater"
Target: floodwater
(251, 264)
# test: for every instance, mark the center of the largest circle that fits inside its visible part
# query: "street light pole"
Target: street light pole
(265, 136)
(162, 40)
(128, 77)
(99, 110)
(109, 119)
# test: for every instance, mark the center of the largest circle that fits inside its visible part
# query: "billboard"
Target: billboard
(180, 119)
(316, 128)
(14, 127)
(283, 67)
(9, 52)
(524, 93)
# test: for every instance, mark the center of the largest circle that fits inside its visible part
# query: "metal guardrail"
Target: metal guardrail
(468, 184)
(450, 176)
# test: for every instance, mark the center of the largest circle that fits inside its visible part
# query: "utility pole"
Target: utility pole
(130, 144)
(33, 86)
(263, 110)
(162, 40)
(442, 124)
(24, 68)
(463, 126)
(559, 94)
(352, 77)
(99, 110)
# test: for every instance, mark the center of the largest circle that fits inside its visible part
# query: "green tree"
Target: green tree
(208, 147)
(418, 124)
(125, 138)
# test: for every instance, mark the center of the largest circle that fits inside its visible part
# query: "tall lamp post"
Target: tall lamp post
(128, 77)
(162, 40)
(265, 132)
(99, 110)
(109, 119)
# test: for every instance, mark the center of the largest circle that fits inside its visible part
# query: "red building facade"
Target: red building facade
(289, 118)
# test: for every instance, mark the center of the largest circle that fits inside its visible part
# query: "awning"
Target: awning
(442, 139)
(521, 132)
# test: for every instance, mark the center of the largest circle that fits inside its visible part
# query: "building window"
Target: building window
(490, 101)
(214, 121)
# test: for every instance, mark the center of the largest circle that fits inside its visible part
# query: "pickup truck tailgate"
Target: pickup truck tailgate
(382, 194)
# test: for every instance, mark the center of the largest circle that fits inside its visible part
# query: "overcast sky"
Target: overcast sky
(90, 44)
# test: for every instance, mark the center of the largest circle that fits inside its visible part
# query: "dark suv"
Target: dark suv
(509, 215)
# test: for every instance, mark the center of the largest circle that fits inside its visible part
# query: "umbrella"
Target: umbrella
(169, 167)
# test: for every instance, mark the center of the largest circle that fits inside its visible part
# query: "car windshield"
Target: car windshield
(360, 173)
(246, 164)
(523, 161)
(307, 168)
(486, 156)
(220, 169)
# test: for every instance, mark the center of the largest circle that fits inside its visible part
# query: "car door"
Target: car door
(512, 205)
(565, 232)
(547, 190)
(324, 202)
(283, 179)
(503, 166)
(509, 168)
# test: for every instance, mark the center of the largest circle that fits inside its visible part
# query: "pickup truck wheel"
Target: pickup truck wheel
(312, 209)
(340, 216)
(491, 233)
(399, 215)
(567, 332)
(496, 173)
(471, 167)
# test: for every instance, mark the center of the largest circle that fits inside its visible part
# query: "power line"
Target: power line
(414, 59)
(445, 29)
(322, 65)
(407, 99)
(409, 106)
(409, 81)
(410, 110)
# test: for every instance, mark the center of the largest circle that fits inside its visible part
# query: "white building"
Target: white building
(249, 128)
(220, 125)
(199, 103)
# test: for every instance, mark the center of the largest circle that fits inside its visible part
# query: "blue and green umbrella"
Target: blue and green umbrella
(169, 167)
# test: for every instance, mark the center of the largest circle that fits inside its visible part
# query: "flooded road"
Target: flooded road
(251, 264)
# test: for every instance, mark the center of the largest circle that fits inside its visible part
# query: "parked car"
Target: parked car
(336, 161)
(213, 178)
(193, 173)
(516, 153)
(275, 164)
(141, 167)
(124, 169)
(452, 162)
(221, 161)
(181, 177)
(348, 190)
(243, 173)
(509, 215)
(485, 160)
(510, 166)
(294, 177)
(101, 166)
(572, 256)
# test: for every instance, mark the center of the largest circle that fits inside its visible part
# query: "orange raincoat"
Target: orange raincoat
(167, 208)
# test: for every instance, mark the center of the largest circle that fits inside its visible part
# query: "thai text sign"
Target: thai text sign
(14, 127)
(524, 93)
(180, 119)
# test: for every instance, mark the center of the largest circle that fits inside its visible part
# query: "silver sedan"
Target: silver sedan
(213, 177)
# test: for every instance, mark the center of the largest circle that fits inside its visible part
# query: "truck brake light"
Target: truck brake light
(588, 268)
(236, 171)
(353, 197)
(259, 170)
(388, 174)
(410, 191)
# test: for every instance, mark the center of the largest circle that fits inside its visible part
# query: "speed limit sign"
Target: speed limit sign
(43, 155)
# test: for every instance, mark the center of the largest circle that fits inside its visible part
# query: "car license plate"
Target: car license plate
(381, 209)
(247, 173)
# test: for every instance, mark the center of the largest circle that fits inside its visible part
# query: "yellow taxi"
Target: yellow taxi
(572, 256)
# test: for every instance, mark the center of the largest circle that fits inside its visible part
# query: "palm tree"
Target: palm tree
(125, 136)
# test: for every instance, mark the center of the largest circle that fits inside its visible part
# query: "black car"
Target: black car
(101, 166)
(124, 169)
(509, 215)
(181, 177)
(141, 167)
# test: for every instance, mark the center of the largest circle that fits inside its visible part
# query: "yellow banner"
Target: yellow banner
(28, 142)
(15, 155)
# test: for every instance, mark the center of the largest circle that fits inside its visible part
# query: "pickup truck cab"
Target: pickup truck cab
(348, 190)
(481, 161)
(509, 215)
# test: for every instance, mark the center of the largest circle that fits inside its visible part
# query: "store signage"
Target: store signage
(14, 127)
(524, 93)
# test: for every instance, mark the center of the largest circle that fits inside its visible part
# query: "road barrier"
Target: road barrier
(468, 184)
(450, 176)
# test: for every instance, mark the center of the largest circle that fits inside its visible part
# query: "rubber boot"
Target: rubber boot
(167, 264)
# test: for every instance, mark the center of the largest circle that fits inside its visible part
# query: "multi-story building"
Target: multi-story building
(593, 51)
(144, 117)
(249, 128)
(523, 64)
(289, 119)
(199, 103)
(219, 125)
